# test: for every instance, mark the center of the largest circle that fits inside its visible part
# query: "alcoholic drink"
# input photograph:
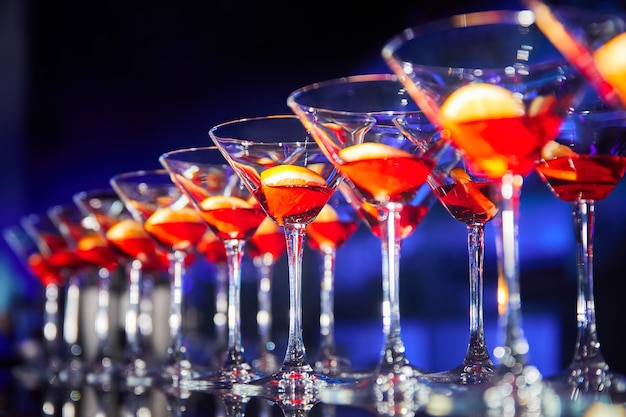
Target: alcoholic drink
(582, 177)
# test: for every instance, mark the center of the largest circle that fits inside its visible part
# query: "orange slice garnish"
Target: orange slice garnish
(170, 215)
(480, 102)
(126, 229)
(554, 149)
(382, 171)
(292, 190)
(267, 227)
(291, 175)
(459, 175)
(327, 214)
(221, 201)
(610, 60)
(370, 150)
(179, 228)
(90, 242)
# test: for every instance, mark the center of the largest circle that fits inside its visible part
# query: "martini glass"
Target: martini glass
(472, 199)
(83, 232)
(136, 252)
(220, 198)
(265, 247)
(61, 256)
(286, 171)
(44, 367)
(581, 167)
(494, 84)
(361, 123)
(592, 41)
(335, 224)
(165, 213)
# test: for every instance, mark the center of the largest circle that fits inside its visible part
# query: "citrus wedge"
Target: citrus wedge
(610, 60)
(170, 215)
(476, 115)
(327, 214)
(370, 150)
(126, 229)
(267, 227)
(459, 175)
(178, 228)
(553, 149)
(291, 175)
(480, 101)
(90, 242)
(220, 202)
(291, 190)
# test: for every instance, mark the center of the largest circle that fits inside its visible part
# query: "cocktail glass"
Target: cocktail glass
(472, 199)
(137, 253)
(166, 214)
(592, 41)
(495, 85)
(335, 224)
(265, 247)
(361, 123)
(286, 171)
(582, 166)
(82, 232)
(59, 255)
(220, 198)
(44, 366)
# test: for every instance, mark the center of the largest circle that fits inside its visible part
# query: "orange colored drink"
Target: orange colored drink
(330, 234)
(130, 238)
(212, 247)
(268, 239)
(45, 273)
(388, 179)
(235, 222)
(410, 217)
(513, 144)
(469, 202)
(179, 229)
(582, 177)
(96, 250)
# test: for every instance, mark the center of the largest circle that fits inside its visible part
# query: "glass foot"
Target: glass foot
(178, 374)
(223, 378)
(586, 381)
(288, 385)
(464, 374)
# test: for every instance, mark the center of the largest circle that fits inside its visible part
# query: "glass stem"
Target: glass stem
(477, 353)
(70, 319)
(102, 323)
(234, 255)
(264, 265)
(52, 326)
(327, 296)
(221, 313)
(131, 319)
(587, 353)
(514, 349)
(177, 351)
(393, 355)
(295, 358)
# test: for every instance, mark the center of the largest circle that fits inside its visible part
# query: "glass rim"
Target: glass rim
(189, 149)
(347, 80)
(139, 173)
(520, 17)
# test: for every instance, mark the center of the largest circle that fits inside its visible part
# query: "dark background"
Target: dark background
(89, 90)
